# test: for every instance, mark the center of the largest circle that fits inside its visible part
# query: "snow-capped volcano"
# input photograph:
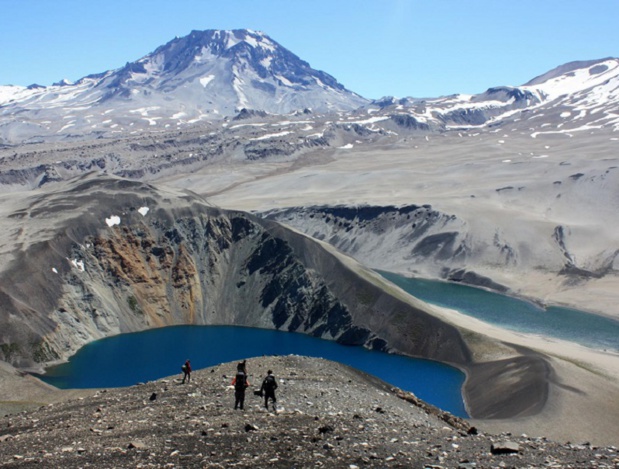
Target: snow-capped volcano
(203, 76)
(228, 70)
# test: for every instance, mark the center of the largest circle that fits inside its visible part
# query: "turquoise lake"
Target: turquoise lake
(127, 359)
(507, 312)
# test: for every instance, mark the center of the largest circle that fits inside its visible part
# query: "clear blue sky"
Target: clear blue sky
(373, 47)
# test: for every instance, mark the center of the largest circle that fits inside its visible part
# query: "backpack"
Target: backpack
(240, 381)
(184, 368)
(269, 383)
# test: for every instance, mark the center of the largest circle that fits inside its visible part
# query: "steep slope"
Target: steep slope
(427, 243)
(101, 256)
(204, 76)
(402, 239)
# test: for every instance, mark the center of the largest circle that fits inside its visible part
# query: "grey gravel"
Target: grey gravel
(328, 415)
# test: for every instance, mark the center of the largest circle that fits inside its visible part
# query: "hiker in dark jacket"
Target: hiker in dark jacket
(269, 385)
(240, 383)
(186, 371)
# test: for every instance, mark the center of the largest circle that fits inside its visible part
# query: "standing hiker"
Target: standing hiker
(269, 385)
(186, 368)
(240, 383)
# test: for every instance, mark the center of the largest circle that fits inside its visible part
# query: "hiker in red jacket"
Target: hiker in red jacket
(240, 383)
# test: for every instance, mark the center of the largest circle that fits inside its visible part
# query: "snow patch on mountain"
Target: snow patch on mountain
(577, 80)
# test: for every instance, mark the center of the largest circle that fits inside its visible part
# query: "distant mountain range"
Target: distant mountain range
(210, 75)
(574, 96)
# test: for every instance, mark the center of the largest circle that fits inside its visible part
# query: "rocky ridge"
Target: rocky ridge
(328, 415)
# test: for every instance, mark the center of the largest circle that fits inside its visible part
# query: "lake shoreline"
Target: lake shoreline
(512, 313)
(581, 399)
(509, 293)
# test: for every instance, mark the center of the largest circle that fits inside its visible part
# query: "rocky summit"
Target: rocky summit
(328, 415)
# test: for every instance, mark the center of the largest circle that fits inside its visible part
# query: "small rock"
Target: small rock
(250, 427)
(136, 444)
(153, 396)
(325, 429)
(467, 465)
(505, 447)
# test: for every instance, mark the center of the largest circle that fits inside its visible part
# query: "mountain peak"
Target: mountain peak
(246, 50)
(231, 38)
(219, 41)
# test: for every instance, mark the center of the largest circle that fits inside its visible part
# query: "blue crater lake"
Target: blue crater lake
(576, 326)
(127, 359)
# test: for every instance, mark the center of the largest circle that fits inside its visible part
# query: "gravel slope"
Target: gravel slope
(329, 416)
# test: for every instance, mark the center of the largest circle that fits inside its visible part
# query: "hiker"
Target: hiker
(240, 383)
(269, 385)
(186, 368)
